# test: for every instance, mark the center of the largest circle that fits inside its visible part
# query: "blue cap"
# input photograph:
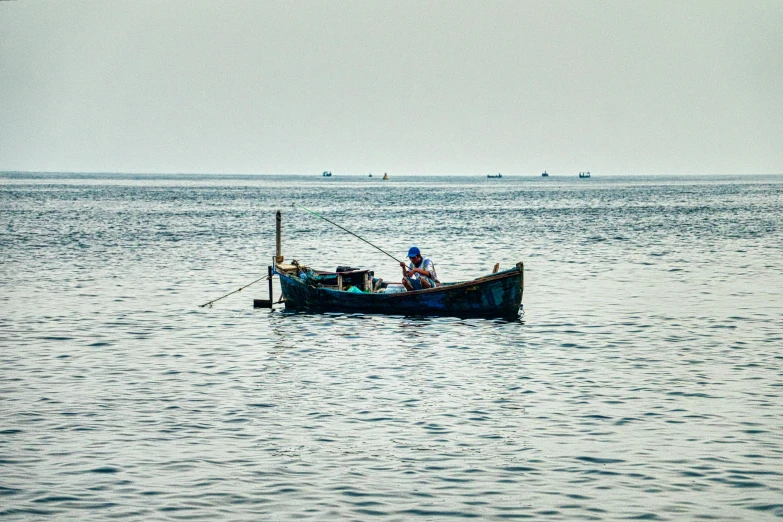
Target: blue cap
(414, 251)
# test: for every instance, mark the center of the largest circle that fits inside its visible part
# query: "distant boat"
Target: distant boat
(370, 175)
(544, 174)
(584, 174)
(327, 174)
(492, 176)
(385, 176)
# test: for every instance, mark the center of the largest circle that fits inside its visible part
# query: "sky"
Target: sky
(405, 87)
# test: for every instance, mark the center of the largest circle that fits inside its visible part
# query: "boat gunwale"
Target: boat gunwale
(512, 272)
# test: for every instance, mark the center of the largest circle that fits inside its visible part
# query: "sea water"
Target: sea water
(642, 381)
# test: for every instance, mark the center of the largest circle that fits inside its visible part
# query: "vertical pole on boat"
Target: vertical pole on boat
(278, 245)
(278, 251)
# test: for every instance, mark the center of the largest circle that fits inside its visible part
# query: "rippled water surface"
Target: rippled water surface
(643, 380)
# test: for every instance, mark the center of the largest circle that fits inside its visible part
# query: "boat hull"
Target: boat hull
(496, 295)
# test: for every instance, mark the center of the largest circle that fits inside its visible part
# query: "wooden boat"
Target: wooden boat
(353, 290)
(348, 289)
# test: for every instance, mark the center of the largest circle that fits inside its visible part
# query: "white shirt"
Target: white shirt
(426, 264)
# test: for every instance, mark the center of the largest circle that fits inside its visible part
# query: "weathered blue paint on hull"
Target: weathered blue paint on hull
(496, 295)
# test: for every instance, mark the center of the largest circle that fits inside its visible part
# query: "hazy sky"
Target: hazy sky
(468, 87)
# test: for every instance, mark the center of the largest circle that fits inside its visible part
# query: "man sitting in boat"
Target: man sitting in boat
(419, 274)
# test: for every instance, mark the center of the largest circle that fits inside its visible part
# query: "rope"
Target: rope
(234, 292)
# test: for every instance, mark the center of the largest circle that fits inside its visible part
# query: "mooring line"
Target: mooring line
(234, 292)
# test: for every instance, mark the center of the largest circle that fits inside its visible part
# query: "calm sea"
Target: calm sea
(643, 380)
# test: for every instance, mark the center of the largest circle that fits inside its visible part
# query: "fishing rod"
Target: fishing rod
(269, 277)
(343, 228)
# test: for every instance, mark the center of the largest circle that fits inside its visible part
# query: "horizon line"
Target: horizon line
(147, 173)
